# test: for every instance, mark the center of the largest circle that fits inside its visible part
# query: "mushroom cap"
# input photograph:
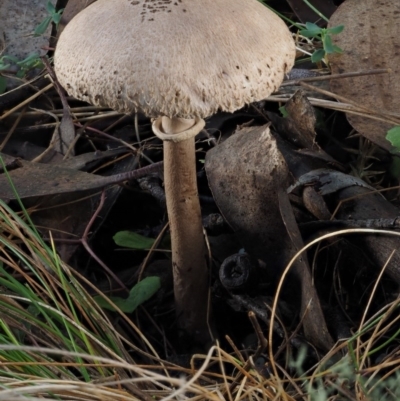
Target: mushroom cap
(177, 58)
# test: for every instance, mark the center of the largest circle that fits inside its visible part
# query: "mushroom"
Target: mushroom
(177, 61)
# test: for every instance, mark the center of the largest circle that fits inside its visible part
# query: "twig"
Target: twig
(26, 101)
(84, 242)
(261, 347)
(108, 136)
(337, 76)
(348, 101)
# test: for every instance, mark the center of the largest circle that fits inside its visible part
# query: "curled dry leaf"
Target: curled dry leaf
(327, 181)
(370, 40)
(298, 126)
(248, 177)
(244, 173)
(357, 201)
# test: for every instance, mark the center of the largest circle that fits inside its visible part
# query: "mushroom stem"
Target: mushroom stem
(188, 245)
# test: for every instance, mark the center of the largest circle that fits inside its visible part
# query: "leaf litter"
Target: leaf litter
(271, 183)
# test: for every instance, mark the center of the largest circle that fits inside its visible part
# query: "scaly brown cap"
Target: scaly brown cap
(179, 58)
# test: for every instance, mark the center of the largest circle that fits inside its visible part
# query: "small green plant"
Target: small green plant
(54, 16)
(33, 59)
(283, 111)
(393, 136)
(132, 240)
(21, 67)
(5, 63)
(324, 35)
(139, 294)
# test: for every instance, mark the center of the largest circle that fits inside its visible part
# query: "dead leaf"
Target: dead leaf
(36, 179)
(326, 181)
(315, 328)
(247, 174)
(298, 127)
(64, 137)
(361, 203)
(302, 118)
(364, 204)
(66, 216)
(244, 174)
(370, 40)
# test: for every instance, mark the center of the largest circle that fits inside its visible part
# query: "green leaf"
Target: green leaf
(337, 49)
(318, 55)
(41, 28)
(311, 30)
(328, 45)
(283, 111)
(393, 136)
(335, 29)
(309, 34)
(140, 293)
(57, 17)
(313, 27)
(4, 66)
(28, 59)
(129, 239)
(10, 58)
(4, 61)
(21, 73)
(50, 8)
(3, 84)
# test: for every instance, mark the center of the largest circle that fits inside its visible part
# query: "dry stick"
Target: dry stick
(238, 354)
(86, 116)
(84, 242)
(290, 264)
(303, 82)
(14, 126)
(338, 76)
(364, 317)
(348, 101)
(129, 146)
(105, 114)
(373, 191)
(341, 390)
(380, 223)
(347, 108)
(111, 126)
(39, 112)
(261, 347)
(88, 109)
(66, 128)
(58, 87)
(50, 146)
(26, 101)
(151, 250)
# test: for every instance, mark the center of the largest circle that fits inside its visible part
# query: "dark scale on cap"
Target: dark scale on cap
(155, 6)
